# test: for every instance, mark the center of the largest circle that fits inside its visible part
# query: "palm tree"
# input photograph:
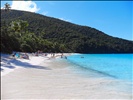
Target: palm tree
(19, 25)
(15, 25)
(7, 7)
(23, 25)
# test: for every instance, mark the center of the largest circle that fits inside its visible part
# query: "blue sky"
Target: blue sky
(112, 17)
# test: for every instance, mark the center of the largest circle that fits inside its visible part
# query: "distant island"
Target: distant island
(28, 32)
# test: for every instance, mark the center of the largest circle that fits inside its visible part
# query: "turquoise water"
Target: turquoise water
(117, 66)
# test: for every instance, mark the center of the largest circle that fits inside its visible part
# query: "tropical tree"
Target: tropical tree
(7, 7)
(23, 25)
(15, 25)
(62, 48)
(55, 47)
(19, 26)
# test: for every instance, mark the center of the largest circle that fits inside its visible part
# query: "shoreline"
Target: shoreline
(49, 79)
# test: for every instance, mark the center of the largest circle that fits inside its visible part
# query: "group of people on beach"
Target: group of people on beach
(20, 55)
(53, 55)
(38, 53)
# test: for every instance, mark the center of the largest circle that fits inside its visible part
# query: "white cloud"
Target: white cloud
(68, 20)
(45, 13)
(25, 6)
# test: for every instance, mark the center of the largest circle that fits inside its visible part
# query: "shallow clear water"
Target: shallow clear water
(117, 66)
(115, 70)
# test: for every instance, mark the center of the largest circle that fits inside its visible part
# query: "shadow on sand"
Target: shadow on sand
(1, 69)
(6, 63)
(13, 62)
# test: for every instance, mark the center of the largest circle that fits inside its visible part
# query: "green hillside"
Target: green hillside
(54, 35)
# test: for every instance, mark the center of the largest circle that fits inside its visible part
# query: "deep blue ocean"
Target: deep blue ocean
(117, 66)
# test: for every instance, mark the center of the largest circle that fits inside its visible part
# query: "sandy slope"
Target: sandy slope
(54, 80)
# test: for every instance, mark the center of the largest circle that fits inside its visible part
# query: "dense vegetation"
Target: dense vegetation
(29, 32)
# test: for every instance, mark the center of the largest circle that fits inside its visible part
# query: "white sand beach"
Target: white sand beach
(41, 78)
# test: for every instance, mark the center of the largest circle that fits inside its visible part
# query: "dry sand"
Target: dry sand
(54, 80)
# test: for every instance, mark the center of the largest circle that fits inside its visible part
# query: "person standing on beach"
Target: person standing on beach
(62, 55)
(13, 55)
